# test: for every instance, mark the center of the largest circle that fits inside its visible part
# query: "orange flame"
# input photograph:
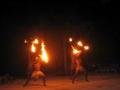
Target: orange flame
(76, 51)
(86, 47)
(35, 41)
(70, 39)
(33, 49)
(79, 43)
(44, 56)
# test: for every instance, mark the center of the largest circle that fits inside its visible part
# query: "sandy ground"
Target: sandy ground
(96, 82)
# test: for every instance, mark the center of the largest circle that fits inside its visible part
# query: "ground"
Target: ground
(96, 82)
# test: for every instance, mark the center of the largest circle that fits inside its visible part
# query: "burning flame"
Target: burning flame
(70, 39)
(86, 47)
(76, 51)
(79, 43)
(33, 49)
(44, 56)
(36, 41)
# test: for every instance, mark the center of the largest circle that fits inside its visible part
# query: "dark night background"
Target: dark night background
(96, 22)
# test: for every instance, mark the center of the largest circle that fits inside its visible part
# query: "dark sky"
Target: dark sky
(97, 22)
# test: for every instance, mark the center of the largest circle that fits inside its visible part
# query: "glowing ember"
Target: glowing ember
(70, 39)
(25, 41)
(86, 47)
(79, 43)
(44, 56)
(76, 51)
(33, 49)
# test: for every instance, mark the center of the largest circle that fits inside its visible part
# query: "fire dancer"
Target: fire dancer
(35, 62)
(77, 64)
(36, 72)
